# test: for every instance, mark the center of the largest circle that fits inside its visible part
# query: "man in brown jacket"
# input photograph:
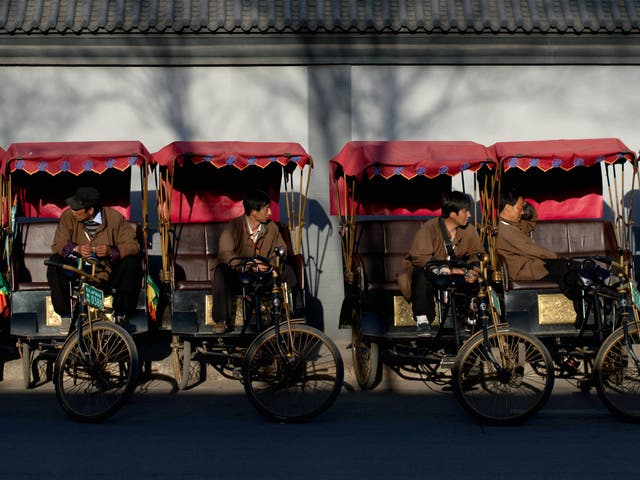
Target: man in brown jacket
(250, 234)
(86, 229)
(447, 237)
(525, 260)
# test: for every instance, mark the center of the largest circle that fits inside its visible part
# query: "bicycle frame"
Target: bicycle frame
(81, 314)
(277, 295)
(489, 314)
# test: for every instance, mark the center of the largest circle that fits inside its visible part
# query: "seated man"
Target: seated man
(448, 237)
(87, 229)
(250, 234)
(525, 260)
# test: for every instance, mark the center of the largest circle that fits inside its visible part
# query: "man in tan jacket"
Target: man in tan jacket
(87, 229)
(246, 236)
(527, 261)
(447, 237)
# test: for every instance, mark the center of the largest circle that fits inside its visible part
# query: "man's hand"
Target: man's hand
(102, 251)
(471, 276)
(84, 250)
(261, 266)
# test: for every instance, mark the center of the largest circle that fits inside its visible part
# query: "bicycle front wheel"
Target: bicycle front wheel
(505, 380)
(294, 376)
(617, 375)
(93, 381)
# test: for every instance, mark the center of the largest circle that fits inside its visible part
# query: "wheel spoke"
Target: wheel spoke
(617, 376)
(92, 386)
(505, 381)
(298, 386)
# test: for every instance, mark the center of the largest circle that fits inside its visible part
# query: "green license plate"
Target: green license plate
(94, 296)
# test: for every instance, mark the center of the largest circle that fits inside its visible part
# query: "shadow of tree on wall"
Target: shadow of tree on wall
(162, 96)
(37, 111)
(317, 231)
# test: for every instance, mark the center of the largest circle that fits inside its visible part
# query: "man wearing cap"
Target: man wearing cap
(87, 229)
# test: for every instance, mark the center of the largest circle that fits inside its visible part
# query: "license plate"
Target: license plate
(635, 295)
(94, 296)
(495, 301)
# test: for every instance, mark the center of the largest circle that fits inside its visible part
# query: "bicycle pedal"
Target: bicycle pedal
(447, 361)
(237, 373)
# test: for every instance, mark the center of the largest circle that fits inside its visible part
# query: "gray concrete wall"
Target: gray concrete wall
(321, 108)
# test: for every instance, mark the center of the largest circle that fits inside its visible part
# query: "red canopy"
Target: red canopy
(232, 154)
(201, 194)
(394, 162)
(73, 157)
(558, 181)
(104, 165)
(408, 159)
(564, 154)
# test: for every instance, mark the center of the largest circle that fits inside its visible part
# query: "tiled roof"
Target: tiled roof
(19, 17)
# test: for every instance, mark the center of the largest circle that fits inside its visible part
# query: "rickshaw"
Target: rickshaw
(290, 371)
(594, 342)
(36, 180)
(7, 349)
(383, 192)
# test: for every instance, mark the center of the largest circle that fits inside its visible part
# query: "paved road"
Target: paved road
(401, 430)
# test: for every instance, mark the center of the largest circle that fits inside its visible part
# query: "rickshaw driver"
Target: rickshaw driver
(245, 236)
(86, 229)
(448, 237)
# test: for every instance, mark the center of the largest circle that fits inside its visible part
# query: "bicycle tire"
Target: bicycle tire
(26, 360)
(181, 360)
(367, 363)
(301, 389)
(510, 396)
(616, 376)
(94, 393)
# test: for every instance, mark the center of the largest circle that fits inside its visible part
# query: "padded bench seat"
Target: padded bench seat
(195, 250)
(194, 254)
(381, 246)
(30, 250)
(569, 238)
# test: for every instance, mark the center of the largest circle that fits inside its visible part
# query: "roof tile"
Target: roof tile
(300, 16)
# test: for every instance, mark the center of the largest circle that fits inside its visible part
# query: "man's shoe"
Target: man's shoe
(219, 327)
(423, 329)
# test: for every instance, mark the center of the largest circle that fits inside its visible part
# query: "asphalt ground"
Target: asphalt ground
(401, 429)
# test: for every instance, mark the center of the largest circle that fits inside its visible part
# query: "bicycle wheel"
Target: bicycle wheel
(367, 364)
(616, 374)
(295, 376)
(27, 362)
(181, 359)
(93, 388)
(503, 386)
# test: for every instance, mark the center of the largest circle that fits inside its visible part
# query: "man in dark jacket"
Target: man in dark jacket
(87, 229)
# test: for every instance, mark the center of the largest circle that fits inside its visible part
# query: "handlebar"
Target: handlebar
(77, 271)
(457, 263)
(251, 265)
